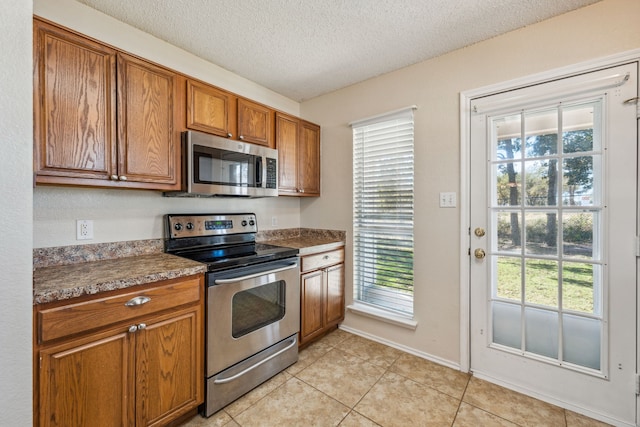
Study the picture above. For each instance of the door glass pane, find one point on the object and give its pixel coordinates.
(578, 233)
(508, 179)
(581, 287)
(581, 343)
(541, 182)
(507, 226)
(578, 130)
(541, 232)
(541, 282)
(577, 181)
(507, 134)
(506, 324)
(257, 307)
(541, 133)
(541, 332)
(508, 274)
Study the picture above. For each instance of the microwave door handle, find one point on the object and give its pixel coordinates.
(258, 171)
(253, 276)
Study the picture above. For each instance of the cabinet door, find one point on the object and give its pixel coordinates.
(74, 103)
(287, 134)
(169, 367)
(335, 294)
(311, 304)
(255, 123)
(87, 382)
(148, 149)
(210, 110)
(309, 159)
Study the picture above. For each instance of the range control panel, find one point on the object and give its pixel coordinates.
(197, 225)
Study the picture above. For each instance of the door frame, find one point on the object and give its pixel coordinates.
(466, 98)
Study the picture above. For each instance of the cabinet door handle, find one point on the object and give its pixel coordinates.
(137, 301)
(114, 177)
(142, 326)
(229, 135)
(133, 328)
(241, 137)
(122, 178)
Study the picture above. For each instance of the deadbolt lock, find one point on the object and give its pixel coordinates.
(479, 232)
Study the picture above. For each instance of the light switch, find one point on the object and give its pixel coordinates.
(447, 200)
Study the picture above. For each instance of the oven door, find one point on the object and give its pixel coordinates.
(250, 309)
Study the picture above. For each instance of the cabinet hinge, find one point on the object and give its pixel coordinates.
(637, 246)
(637, 385)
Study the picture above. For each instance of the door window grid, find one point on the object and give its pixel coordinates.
(552, 327)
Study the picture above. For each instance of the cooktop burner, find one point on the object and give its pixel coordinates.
(220, 240)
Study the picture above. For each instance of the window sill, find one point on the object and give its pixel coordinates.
(383, 315)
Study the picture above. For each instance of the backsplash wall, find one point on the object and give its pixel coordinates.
(120, 215)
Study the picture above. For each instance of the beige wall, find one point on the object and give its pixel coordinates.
(15, 210)
(602, 29)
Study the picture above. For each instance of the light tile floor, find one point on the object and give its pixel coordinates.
(349, 381)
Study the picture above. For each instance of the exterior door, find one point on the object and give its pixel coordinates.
(553, 187)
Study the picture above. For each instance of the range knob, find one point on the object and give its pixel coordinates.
(189, 226)
(177, 226)
(252, 223)
(244, 223)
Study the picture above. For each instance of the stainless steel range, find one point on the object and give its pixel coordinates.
(253, 301)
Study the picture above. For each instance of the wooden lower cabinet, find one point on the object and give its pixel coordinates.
(144, 371)
(321, 294)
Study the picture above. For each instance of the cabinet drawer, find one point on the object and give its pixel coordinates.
(71, 319)
(325, 259)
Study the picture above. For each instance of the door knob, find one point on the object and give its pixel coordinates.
(479, 253)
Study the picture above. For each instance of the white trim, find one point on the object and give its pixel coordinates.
(382, 315)
(465, 116)
(363, 121)
(426, 356)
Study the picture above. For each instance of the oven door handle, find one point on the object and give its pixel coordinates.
(252, 367)
(252, 276)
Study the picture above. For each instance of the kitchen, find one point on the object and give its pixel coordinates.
(596, 31)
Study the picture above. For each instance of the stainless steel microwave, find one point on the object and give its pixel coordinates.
(215, 166)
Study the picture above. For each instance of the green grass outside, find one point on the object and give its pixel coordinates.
(542, 283)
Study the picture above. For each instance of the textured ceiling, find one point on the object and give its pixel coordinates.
(305, 48)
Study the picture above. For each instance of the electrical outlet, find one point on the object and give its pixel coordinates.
(448, 200)
(274, 221)
(84, 229)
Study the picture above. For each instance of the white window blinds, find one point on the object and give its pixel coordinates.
(383, 211)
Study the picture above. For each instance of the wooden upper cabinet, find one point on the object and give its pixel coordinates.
(210, 109)
(148, 144)
(309, 159)
(298, 144)
(287, 133)
(222, 113)
(255, 123)
(101, 117)
(74, 106)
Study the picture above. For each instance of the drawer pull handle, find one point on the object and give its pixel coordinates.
(137, 301)
(325, 257)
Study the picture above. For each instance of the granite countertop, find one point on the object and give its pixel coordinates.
(62, 282)
(66, 272)
(307, 245)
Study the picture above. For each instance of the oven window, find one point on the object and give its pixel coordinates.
(257, 307)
